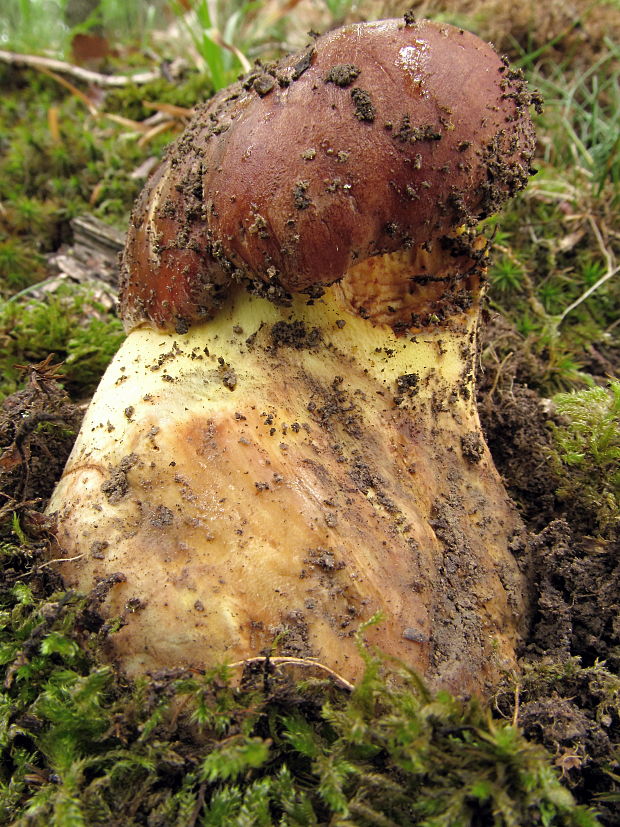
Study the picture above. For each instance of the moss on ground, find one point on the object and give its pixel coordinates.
(587, 454)
(72, 325)
(78, 745)
(58, 160)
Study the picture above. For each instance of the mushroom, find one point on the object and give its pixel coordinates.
(287, 442)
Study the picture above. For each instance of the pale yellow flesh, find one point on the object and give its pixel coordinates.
(296, 503)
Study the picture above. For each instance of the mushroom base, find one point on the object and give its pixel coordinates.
(277, 476)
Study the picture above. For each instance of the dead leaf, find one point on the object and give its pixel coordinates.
(12, 457)
(145, 168)
(568, 761)
(570, 241)
(89, 49)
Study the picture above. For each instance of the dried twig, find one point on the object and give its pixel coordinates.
(611, 270)
(70, 86)
(290, 661)
(217, 38)
(169, 109)
(588, 292)
(88, 76)
(528, 284)
(58, 560)
(515, 717)
(498, 373)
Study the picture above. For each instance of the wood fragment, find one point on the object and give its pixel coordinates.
(169, 109)
(53, 124)
(88, 76)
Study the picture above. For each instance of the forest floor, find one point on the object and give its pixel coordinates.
(79, 743)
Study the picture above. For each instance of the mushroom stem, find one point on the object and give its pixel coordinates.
(285, 473)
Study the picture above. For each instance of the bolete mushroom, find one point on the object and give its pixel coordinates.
(287, 442)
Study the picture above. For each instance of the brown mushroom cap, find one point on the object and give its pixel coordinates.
(379, 137)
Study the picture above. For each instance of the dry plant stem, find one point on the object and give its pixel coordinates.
(589, 292)
(147, 128)
(303, 662)
(88, 76)
(611, 270)
(59, 560)
(534, 302)
(71, 88)
(216, 36)
(498, 374)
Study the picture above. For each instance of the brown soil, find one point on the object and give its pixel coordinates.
(573, 578)
(38, 426)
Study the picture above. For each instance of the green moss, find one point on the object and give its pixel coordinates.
(554, 241)
(57, 180)
(128, 101)
(574, 711)
(70, 324)
(46, 179)
(78, 744)
(588, 454)
(20, 265)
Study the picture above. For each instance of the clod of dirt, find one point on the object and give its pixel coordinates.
(515, 422)
(576, 583)
(38, 426)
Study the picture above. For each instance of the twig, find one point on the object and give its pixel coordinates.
(216, 36)
(607, 254)
(515, 717)
(59, 560)
(528, 284)
(41, 566)
(70, 86)
(156, 130)
(30, 289)
(285, 661)
(498, 373)
(200, 800)
(533, 300)
(588, 293)
(88, 76)
(169, 109)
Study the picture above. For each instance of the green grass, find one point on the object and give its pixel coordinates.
(583, 118)
(555, 270)
(37, 25)
(209, 32)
